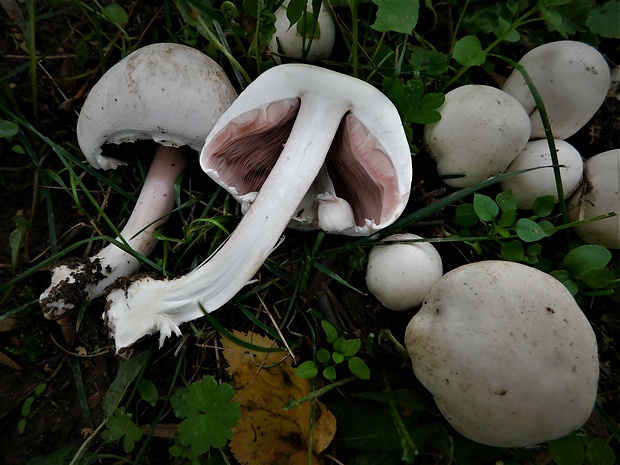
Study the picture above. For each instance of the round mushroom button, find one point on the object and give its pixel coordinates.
(400, 274)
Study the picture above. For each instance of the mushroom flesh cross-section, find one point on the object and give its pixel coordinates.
(302, 143)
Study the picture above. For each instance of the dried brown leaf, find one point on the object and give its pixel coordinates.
(267, 434)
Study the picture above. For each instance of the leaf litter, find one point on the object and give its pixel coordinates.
(265, 382)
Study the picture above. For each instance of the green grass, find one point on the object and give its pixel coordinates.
(56, 206)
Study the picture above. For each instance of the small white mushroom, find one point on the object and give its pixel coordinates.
(169, 93)
(598, 197)
(572, 79)
(290, 42)
(289, 125)
(527, 187)
(481, 130)
(507, 353)
(400, 274)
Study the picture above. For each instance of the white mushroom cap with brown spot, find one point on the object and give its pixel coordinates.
(170, 93)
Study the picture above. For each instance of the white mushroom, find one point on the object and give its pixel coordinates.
(289, 40)
(400, 274)
(170, 93)
(528, 186)
(481, 130)
(572, 79)
(507, 353)
(292, 123)
(598, 197)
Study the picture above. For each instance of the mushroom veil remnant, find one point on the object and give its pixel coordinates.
(172, 94)
(296, 137)
(510, 358)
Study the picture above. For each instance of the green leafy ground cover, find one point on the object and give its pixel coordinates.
(66, 398)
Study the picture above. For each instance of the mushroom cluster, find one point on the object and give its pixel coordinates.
(171, 94)
(301, 146)
(573, 80)
(482, 133)
(507, 353)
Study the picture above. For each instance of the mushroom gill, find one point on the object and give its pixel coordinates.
(250, 145)
(361, 171)
(357, 168)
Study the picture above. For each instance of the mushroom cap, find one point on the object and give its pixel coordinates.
(600, 196)
(481, 130)
(368, 164)
(400, 275)
(507, 353)
(290, 40)
(528, 186)
(572, 79)
(170, 93)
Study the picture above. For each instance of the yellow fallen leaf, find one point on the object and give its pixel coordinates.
(266, 433)
(236, 355)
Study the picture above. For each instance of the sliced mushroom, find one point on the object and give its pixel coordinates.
(289, 131)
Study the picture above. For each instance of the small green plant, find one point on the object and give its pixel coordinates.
(344, 350)
(120, 425)
(584, 271)
(8, 129)
(574, 449)
(27, 407)
(497, 219)
(208, 414)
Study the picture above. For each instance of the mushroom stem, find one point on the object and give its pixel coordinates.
(150, 305)
(73, 283)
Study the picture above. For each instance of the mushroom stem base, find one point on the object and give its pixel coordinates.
(76, 281)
